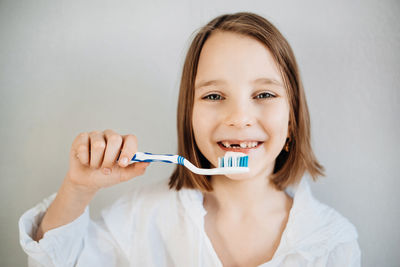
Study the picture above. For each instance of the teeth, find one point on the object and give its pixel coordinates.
(241, 144)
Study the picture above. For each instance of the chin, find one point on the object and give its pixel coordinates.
(242, 176)
(239, 176)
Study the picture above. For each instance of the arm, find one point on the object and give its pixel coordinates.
(60, 246)
(54, 234)
(93, 165)
(68, 205)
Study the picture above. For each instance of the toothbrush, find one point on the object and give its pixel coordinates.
(232, 162)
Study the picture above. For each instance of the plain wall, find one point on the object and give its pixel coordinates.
(73, 66)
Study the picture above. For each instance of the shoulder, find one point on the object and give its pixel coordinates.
(345, 254)
(318, 230)
(336, 234)
(332, 224)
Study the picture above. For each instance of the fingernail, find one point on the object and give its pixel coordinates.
(124, 161)
(106, 171)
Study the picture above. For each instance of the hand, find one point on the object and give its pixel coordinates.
(93, 160)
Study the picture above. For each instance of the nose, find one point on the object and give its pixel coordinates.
(239, 115)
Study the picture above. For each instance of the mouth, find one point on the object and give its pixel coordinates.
(239, 146)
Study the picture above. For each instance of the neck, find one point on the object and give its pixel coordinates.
(241, 198)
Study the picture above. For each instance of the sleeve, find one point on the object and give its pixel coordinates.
(345, 254)
(81, 242)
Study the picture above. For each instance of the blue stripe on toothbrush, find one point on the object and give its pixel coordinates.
(147, 153)
(152, 160)
(180, 160)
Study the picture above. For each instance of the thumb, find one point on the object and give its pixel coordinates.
(133, 170)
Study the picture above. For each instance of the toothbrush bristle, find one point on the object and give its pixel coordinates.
(238, 160)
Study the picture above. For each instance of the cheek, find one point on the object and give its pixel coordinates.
(275, 119)
(200, 124)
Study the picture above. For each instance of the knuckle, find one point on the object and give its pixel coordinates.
(108, 131)
(131, 137)
(115, 139)
(82, 148)
(130, 144)
(94, 133)
(99, 145)
(83, 135)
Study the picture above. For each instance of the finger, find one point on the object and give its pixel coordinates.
(97, 147)
(133, 170)
(129, 148)
(113, 148)
(81, 148)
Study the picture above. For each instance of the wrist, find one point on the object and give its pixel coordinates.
(77, 193)
(75, 188)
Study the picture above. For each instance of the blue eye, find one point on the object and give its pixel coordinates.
(213, 97)
(264, 95)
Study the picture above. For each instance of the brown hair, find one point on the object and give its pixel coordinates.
(289, 166)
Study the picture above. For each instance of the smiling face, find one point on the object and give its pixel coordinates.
(240, 103)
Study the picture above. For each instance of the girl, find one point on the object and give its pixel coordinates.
(240, 91)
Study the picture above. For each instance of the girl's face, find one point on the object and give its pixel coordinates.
(240, 102)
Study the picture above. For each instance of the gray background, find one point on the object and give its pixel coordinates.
(72, 66)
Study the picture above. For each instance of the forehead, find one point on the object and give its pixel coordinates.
(235, 57)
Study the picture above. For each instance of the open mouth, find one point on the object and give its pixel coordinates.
(239, 146)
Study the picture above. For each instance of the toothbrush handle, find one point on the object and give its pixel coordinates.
(149, 157)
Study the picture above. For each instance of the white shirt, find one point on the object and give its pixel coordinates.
(156, 226)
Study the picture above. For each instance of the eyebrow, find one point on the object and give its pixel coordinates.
(208, 83)
(256, 81)
(267, 81)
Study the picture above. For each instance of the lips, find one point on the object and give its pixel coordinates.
(239, 145)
